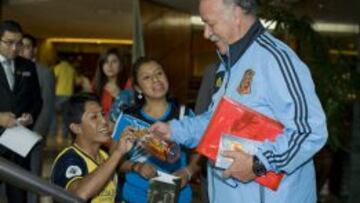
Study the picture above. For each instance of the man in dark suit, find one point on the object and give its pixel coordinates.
(20, 94)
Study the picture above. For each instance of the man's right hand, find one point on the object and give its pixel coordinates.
(161, 129)
(25, 119)
(7, 119)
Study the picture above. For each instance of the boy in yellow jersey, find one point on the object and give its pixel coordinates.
(83, 168)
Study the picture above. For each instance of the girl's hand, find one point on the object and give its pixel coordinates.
(184, 174)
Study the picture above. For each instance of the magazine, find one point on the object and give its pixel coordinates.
(137, 153)
(19, 139)
(126, 120)
(164, 188)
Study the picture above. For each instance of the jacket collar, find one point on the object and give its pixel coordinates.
(17, 74)
(238, 48)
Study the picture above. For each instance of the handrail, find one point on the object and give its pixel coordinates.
(13, 174)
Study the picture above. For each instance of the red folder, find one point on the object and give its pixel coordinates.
(236, 119)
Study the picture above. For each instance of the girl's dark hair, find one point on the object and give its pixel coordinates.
(100, 77)
(134, 76)
(138, 63)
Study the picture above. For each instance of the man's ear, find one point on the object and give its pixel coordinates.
(75, 128)
(239, 14)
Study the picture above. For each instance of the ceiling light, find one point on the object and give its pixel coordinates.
(91, 41)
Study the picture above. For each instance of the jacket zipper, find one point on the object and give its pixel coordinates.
(261, 191)
(227, 68)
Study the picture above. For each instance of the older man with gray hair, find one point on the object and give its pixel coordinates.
(280, 87)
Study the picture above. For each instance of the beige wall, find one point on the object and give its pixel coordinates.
(46, 53)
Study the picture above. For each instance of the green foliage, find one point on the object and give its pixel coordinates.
(337, 82)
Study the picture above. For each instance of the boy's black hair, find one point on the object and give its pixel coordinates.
(75, 108)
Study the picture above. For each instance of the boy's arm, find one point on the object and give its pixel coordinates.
(91, 184)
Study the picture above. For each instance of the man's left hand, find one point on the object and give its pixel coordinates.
(25, 119)
(241, 168)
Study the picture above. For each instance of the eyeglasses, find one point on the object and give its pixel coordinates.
(11, 43)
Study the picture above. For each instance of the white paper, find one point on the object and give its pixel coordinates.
(233, 143)
(165, 177)
(19, 139)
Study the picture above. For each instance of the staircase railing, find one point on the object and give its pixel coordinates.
(14, 175)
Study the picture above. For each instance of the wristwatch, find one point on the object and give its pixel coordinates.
(258, 167)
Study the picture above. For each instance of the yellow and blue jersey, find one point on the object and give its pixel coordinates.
(73, 164)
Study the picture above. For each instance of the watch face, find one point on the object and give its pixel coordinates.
(258, 168)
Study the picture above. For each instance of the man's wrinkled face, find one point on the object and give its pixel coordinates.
(219, 23)
(10, 44)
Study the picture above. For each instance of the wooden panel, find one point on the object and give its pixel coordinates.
(180, 48)
(167, 37)
(203, 52)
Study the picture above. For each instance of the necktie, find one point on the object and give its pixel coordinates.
(9, 73)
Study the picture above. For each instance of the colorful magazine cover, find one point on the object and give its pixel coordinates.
(146, 144)
(233, 118)
(137, 153)
(126, 120)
